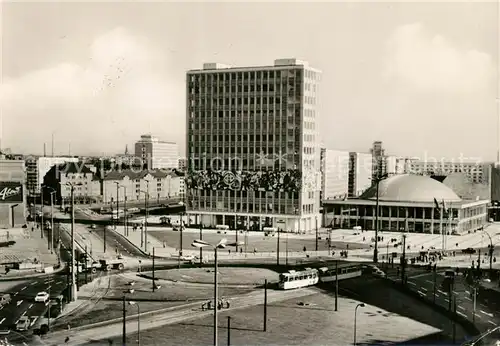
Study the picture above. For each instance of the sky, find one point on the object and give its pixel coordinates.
(421, 77)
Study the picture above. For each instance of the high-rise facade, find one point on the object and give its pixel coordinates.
(252, 146)
(360, 173)
(157, 154)
(335, 171)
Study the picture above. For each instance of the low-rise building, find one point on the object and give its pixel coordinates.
(158, 184)
(87, 188)
(37, 167)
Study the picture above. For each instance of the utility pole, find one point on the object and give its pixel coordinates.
(228, 330)
(403, 260)
(117, 203)
(316, 234)
(124, 336)
(201, 249)
(41, 218)
(146, 219)
(454, 319)
(375, 250)
(265, 305)
(73, 270)
(125, 210)
(278, 249)
(52, 222)
(474, 292)
(86, 265)
(434, 287)
(286, 245)
(154, 285)
(180, 234)
(336, 285)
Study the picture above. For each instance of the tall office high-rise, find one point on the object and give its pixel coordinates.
(157, 154)
(252, 146)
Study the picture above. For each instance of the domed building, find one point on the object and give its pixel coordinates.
(408, 202)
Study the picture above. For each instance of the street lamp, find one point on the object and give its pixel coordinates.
(117, 202)
(50, 241)
(144, 236)
(73, 294)
(490, 249)
(138, 322)
(378, 179)
(125, 230)
(198, 243)
(360, 305)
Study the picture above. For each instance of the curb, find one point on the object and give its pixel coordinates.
(145, 276)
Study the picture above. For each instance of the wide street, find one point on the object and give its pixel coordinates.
(487, 310)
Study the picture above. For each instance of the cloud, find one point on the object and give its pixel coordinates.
(432, 63)
(120, 91)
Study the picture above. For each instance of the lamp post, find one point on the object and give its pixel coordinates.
(360, 305)
(52, 221)
(125, 228)
(138, 322)
(117, 202)
(378, 179)
(490, 251)
(144, 239)
(41, 218)
(198, 243)
(73, 294)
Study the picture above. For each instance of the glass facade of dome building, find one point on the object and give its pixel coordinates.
(409, 203)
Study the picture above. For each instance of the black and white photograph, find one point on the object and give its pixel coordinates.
(249, 173)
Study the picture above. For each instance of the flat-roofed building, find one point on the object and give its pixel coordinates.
(252, 146)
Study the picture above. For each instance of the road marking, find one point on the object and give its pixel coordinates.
(19, 302)
(493, 323)
(33, 283)
(25, 287)
(460, 313)
(467, 292)
(31, 305)
(16, 293)
(3, 319)
(422, 293)
(423, 289)
(468, 298)
(486, 313)
(429, 281)
(441, 292)
(412, 283)
(446, 300)
(461, 307)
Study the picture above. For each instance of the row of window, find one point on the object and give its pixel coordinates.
(254, 207)
(251, 75)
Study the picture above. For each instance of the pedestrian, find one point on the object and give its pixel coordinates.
(66, 340)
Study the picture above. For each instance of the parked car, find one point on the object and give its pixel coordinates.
(42, 297)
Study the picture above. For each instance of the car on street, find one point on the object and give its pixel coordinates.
(5, 299)
(188, 258)
(196, 261)
(42, 297)
(23, 323)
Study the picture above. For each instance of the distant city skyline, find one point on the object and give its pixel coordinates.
(421, 77)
